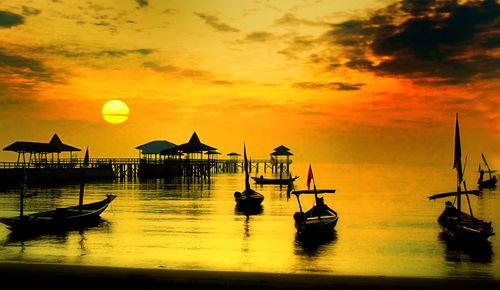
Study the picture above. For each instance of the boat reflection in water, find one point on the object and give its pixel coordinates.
(460, 251)
(314, 245)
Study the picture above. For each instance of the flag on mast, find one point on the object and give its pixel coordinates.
(309, 177)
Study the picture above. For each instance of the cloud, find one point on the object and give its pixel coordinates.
(9, 19)
(259, 36)
(290, 20)
(339, 86)
(215, 23)
(103, 53)
(188, 73)
(27, 68)
(439, 41)
(30, 11)
(142, 3)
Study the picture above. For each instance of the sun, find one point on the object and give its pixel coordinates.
(115, 112)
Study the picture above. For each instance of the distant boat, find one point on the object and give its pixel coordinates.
(282, 181)
(61, 218)
(249, 197)
(453, 222)
(320, 218)
(488, 183)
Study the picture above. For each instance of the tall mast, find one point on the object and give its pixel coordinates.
(82, 183)
(247, 182)
(457, 164)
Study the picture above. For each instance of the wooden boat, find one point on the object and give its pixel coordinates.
(453, 222)
(282, 181)
(488, 183)
(320, 218)
(249, 197)
(60, 218)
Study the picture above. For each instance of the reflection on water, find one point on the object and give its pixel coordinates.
(388, 225)
(460, 251)
(314, 245)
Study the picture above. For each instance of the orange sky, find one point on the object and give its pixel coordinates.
(335, 81)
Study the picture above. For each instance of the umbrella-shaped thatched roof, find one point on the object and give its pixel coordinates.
(233, 154)
(193, 146)
(54, 146)
(281, 147)
(155, 147)
(281, 151)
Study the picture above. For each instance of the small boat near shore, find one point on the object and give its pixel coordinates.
(61, 218)
(248, 198)
(320, 219)
(281, 181)
(491, 182)
(453, 222)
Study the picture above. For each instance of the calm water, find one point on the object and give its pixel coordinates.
(387, 226)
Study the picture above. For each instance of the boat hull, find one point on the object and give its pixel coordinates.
(260, 180)
(248, 199)
(490, 183)
(59, 219)
(465, 228)
(310, 222)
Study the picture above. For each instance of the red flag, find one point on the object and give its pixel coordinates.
(309, 177)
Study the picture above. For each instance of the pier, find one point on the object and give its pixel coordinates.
(41, 162)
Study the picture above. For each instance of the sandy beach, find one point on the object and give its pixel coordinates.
(53, 276)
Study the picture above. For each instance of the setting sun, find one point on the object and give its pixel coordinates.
(115, 112)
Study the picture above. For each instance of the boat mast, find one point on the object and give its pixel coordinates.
(82, 183)
(247, 182)
(458, 166)
(486, 163)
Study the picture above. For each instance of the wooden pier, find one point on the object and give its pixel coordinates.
(136, 167)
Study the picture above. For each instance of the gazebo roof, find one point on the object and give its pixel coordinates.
(233, 154)
(281, 147)
(54, 146)
(212, 152)
(194, 145)
(155, 147)
(281, 152)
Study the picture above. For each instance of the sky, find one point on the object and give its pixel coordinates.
(358, 81)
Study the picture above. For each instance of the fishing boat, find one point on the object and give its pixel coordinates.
(488, 183)
(249, 197)
(453, 222)
(281, 181)
(60, 218)
(320, 218)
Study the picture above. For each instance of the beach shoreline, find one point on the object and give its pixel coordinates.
(58, 276)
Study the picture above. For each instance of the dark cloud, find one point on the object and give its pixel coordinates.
(447, 41)
(215, 23)
(9, 19)
(27, 68)
(30, 11)
(338, 86)
(259, 36)
(142, 3)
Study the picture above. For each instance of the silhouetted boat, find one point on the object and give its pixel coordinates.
(320, 218)
(453, 221)
(282, 181)
(249, 197)
(488, 183)
(60, 218)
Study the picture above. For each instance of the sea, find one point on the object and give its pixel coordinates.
(387, 225)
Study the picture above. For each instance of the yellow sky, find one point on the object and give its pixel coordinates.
(332, 80)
